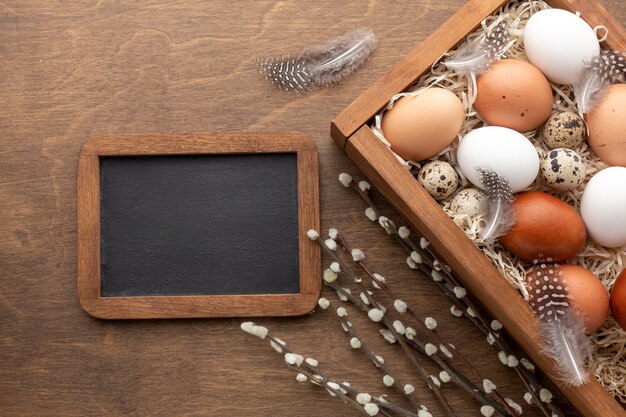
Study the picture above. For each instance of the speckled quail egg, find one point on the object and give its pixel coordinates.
(562, 169)
(438, 178)
(564, 130)
(470, 201)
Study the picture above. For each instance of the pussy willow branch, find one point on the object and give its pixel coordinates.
(447, 285)
(420, 320)
(456, 376)
(317, 376)
(347, 326)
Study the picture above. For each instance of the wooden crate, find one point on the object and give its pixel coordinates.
(351, 131)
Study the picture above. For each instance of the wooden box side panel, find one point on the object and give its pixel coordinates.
(473, 268)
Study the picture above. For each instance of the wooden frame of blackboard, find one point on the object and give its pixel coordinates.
(236, 305)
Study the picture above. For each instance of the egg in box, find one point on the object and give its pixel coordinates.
(419, 126)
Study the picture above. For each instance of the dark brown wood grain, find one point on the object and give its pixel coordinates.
(70, 71)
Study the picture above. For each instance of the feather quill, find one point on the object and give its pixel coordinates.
(475, 55)
(606, 68)
(562, 326)
(500, 216)
(321, 66)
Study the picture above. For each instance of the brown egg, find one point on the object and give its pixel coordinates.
(584, 290)
(545, 229)
(513, 94)
(419, 127)
(618, 300)
(607, 124)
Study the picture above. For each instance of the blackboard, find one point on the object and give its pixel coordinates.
(193, 225)
(200, 225)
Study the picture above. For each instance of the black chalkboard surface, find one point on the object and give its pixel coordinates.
(201, 224)
(198, 225)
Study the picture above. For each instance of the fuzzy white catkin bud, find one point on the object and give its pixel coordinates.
(371, 409)
(345, 179)
(488, 386)
(416, 257)
(301, 377)
(471, 312)
(496, 325)
(435, 380)
(490, 339)
(388, 335)
(363, 398)
(399, 327)
(455, 311)
(528, 397)
(545, 395)
(277, 344)
(446, 351)
(387, 224)
(487, 410)
(364, 298)
(459, 292)
(330, 244)
(430, 349)
(247, 326)
(515, 406)
(411, 263)
(388, 380)
(404, 232)
(436, 276)
(375, 314)
(291, 358)
(430, 323)
(379, 277)
(357, 255)
(312, 234)
(341, 312)
(355, 343)
(528, 364)
(341, 295)
(424, 413)
(333, 386)
(332, 233)
(364, 185)
(512, 361)
(424, 243)
(370, 213)
(410, 333)
(504, 358)
(323, 303)
(335, 267)
(408, 389)
(400, 306)
(311, 361)
(444, 376)
(330, 276)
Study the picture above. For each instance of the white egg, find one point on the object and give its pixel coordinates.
(558, 43)
(603, 207)
(502, 150)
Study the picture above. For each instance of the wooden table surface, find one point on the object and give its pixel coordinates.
(73, 70)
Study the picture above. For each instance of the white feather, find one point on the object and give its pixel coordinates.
(568, 345)
(588, 90)
(468, 58)
(321, 66)
(500, 216)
